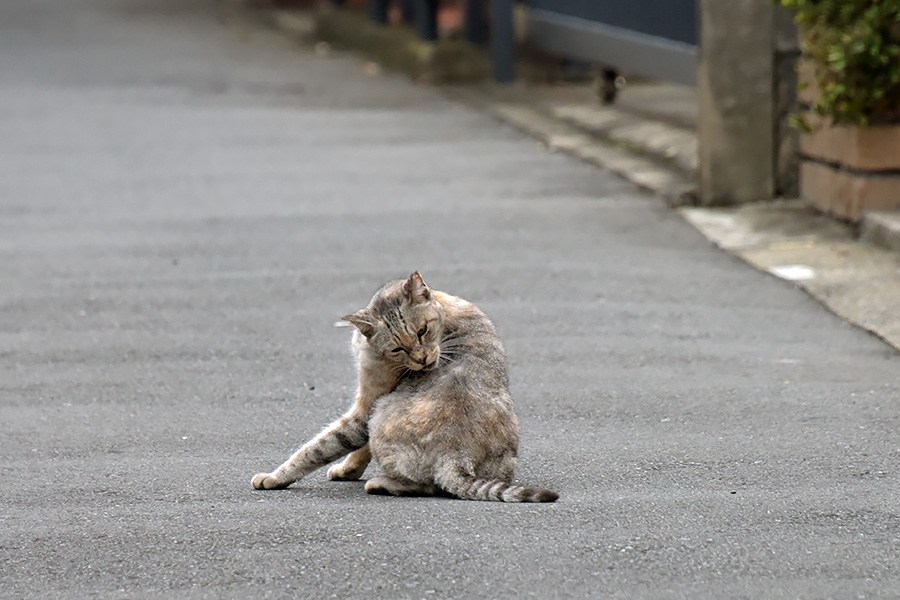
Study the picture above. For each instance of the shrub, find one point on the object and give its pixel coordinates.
(855, 45)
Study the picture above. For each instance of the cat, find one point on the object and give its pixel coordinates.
(433, 406)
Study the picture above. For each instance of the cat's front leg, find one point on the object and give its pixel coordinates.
(353, 466)
(348, 433)
(345, 435)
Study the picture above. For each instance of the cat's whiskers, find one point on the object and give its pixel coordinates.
(451, 345)
(449, 356)
(399, 369)
(449, 361)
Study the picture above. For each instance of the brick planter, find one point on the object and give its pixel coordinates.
(847, 170)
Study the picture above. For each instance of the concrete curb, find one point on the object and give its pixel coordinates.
(857, 281)
(641, 168)
(882, 228)
(675, 147)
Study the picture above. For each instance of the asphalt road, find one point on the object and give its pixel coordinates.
(188, 203)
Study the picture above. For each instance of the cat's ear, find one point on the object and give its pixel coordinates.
(415, 289)
(363, 321)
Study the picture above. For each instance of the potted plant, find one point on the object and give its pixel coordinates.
(850, 81)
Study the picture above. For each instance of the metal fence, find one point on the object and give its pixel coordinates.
(653, 38)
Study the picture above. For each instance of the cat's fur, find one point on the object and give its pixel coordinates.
(433, 406)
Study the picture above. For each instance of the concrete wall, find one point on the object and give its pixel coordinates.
(746, 90)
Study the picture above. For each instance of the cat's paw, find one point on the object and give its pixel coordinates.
(267, 481)
(342, 473)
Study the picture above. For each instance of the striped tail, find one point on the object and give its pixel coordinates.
(468, 487)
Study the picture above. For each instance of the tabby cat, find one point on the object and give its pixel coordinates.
(433, 406)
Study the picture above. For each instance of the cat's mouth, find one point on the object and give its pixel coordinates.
(433, 364)
(429, 365)
(420, 367)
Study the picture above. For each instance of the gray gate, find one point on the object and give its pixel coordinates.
(653, 38)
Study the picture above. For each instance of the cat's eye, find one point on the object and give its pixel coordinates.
(423, 331)
(396, 350)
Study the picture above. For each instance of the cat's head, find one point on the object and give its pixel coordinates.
(403, 324)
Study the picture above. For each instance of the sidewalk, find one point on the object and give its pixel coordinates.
(648, 137)
(189, 201)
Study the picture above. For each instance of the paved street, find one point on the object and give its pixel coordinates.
(188, 203)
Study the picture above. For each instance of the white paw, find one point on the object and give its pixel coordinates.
(339, 473)
(267, 481)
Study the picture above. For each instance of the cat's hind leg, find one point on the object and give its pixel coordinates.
(353, 466)
(386, 486)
